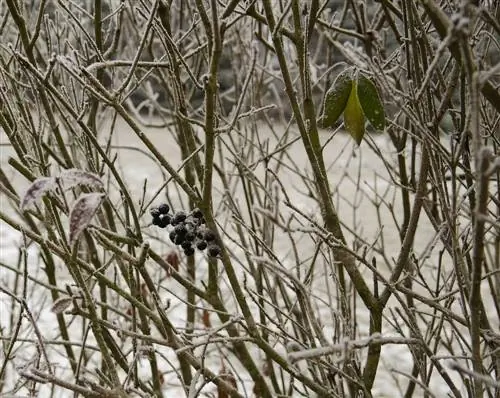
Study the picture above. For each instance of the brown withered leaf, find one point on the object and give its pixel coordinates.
(228, 377)
(205, 318)
(267, 368)
(172, 258)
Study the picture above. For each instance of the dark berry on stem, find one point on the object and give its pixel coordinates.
(213, 250)
(164, 221)
(180, 229)
(189, 251)
(164, 208)
(190, 236)
(179, 239)
(209, 235)
(179, 217)
(155, 212)
(156, 220)
(201, 245)
(173, 236)
(196, 213)
(186, 245)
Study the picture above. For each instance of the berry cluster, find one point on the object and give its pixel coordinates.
(189, 230)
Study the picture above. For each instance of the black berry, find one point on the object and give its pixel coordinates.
(201, 245)
(173, 236)
(164, 220)
(180, 229)
(213, 250)
(196, 213)
(164, 208)
(189, 230)
(155, 212)
(179, 217)
(208, 235)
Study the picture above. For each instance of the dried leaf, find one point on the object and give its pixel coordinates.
(267, 368)
(206, 319)
(229, 378)
(354, 120)
(82, 212)
(73, 177)
(336, 99)
(172, 258)
(144, 291)
(36, 190)
(61, 304)
(161, 378)
(370, 102)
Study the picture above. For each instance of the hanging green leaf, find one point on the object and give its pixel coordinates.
(336, 99)
(370, 102)
(354, 120)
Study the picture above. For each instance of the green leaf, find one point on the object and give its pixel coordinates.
(336, 99)
(370, 102)
(354, 120)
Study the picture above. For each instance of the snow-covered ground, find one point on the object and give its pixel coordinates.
(354, 174)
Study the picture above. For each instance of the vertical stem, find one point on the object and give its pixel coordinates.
(482, 162)
(328, 210)
(94, 102)
(94, 319)
(475, 300)
(25, 39)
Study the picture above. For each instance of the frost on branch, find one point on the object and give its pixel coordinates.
(81, 213)
(36, 190)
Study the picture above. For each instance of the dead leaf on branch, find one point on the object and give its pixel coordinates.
(227, 376)
(69, 179)
(36, 191)
(61, 304)
(73, 177)
(82, 212)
